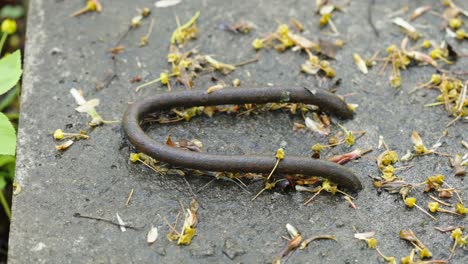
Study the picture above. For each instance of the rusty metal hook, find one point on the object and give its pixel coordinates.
(239, 163)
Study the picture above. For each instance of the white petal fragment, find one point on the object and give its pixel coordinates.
(365, 235)
(121, 223)
(152, 235)
(166, 3)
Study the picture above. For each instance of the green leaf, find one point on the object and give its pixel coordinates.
(13, 12)
(7, 136)
(6, 159)
(3, 183)
(10, 71)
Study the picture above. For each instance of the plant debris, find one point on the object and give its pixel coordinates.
(186, 31)
(152, 235)
(297, 241)
(120, 225)
(89, 107)
(185, 236)
(91, 6)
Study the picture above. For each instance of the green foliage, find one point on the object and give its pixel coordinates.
(7, 136)
(7, 169)
(10, 74)
(10, 71)
(13, 12)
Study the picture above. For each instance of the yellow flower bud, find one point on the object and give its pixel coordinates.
(455, 23)
(457, 234)
(145, 12)
(392, 48)
(314, 60)
(317, 148)
(280, 154)
(410, 202)
(436, 79)
(459, 208)
(426, 44)
(172, 57)
(372, 242)
(406, 260)
(436, 53)
(425, 253)
(438, 178)
(58, 134)
(8, 26)
(433, 206)
(164, 77)
(257, 44)
(325, 19)
(91, 5)
(134, 157)
(283, 29)
(395, 81)
(461, 34)
(185, 63)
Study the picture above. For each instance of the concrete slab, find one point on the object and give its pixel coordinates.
(94, 176)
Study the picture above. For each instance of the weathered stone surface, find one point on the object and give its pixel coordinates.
(94, 176)
(232, 249)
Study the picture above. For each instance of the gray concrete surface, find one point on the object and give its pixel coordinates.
(94, 177)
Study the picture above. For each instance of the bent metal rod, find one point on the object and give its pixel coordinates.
(326, 101)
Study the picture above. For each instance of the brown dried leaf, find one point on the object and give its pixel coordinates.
(409, 235)
(328, 48)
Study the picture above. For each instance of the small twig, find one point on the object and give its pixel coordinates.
(311, 198)
(369, 17)
(455, 191)
(247, 61)
(172, 227)
(194, 196)
(78, 215)
(439, 201)
(206, 185)
(129, 197)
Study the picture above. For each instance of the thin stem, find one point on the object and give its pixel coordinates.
(78, 215)
(2, 41)
(311, 198)
(447, 211)
(273, 170)
(12, 116)
(146, 84)
(129, 197)
(455, 191)
(5, 205)
(260, 192)
(424, 211)
(439, 201)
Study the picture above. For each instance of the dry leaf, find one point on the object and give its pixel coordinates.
(360, 63)
(316, 127)
(411, 237)
(64, 145)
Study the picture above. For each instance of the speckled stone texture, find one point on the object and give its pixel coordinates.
(94, 176)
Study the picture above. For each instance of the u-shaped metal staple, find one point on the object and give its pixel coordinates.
(239, 163)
